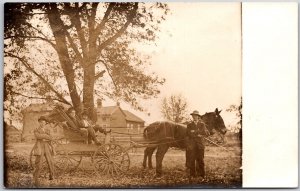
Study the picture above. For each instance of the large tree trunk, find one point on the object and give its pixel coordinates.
(89, 76)
(88, 91)
(57, 28)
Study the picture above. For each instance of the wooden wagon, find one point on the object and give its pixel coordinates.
(107, 158)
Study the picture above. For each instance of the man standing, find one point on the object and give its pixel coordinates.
(42, 148)
(195, 145)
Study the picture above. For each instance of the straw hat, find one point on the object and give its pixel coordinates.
(196, 113)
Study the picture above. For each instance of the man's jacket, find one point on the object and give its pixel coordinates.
(43, 141)
(196, 131)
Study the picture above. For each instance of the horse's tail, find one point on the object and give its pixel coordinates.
(150, 131)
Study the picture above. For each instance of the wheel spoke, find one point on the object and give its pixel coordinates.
(111, 159)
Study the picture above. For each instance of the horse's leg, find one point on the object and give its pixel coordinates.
(150, 153)
(160, 153)
(186, 159)
(145, 157)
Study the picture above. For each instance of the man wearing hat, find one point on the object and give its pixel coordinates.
(74, 118)
(87, 124)
(195, 145)
(42, 148)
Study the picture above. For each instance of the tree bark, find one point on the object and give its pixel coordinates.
(88, 91)
(57, 28)
(89, 74)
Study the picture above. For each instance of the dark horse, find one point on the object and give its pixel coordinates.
(168, 134)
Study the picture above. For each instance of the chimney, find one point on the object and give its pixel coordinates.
(118, 104)
(99, 103)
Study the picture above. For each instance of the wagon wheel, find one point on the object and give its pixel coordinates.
(67, 161)
(111, 159)
(58, 142)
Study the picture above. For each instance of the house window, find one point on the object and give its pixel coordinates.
(128, 125)
(139, 128)
(103, 118)
(131, 126)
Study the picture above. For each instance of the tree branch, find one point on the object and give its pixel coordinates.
(75, 20)
(39, 76)
(38, 30)
(65, 28)
(33, 37)
(108, 71)
(121, 31)
(33, 97)
(100, 74)
(74, 47)
(104, 19)
(91, 20)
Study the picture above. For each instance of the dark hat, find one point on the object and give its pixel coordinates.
(196, 113)
(42, 118)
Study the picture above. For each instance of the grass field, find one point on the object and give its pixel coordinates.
(222, 171)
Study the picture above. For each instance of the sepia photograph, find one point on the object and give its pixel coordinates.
(123, 95)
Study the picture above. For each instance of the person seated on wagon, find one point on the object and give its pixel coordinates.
(74, 120)
(91, 128)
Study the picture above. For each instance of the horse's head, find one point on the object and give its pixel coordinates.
(214, 122)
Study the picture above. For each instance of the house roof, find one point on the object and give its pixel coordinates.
(131, 117)
(111, 109)
(42, 107)
(10, 128)
(107, 110)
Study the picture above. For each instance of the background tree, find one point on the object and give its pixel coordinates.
(76, 52)
(237, 109)
(174, 108)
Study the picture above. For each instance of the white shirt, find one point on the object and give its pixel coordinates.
(86, 123)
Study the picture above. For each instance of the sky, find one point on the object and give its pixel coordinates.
(199, 54)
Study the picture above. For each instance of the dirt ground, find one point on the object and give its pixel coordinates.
(222, 167)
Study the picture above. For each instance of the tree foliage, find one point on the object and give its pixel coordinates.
(174, 108)
(237, 109)
(76, 52)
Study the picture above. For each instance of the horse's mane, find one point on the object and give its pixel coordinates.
(208, 114)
